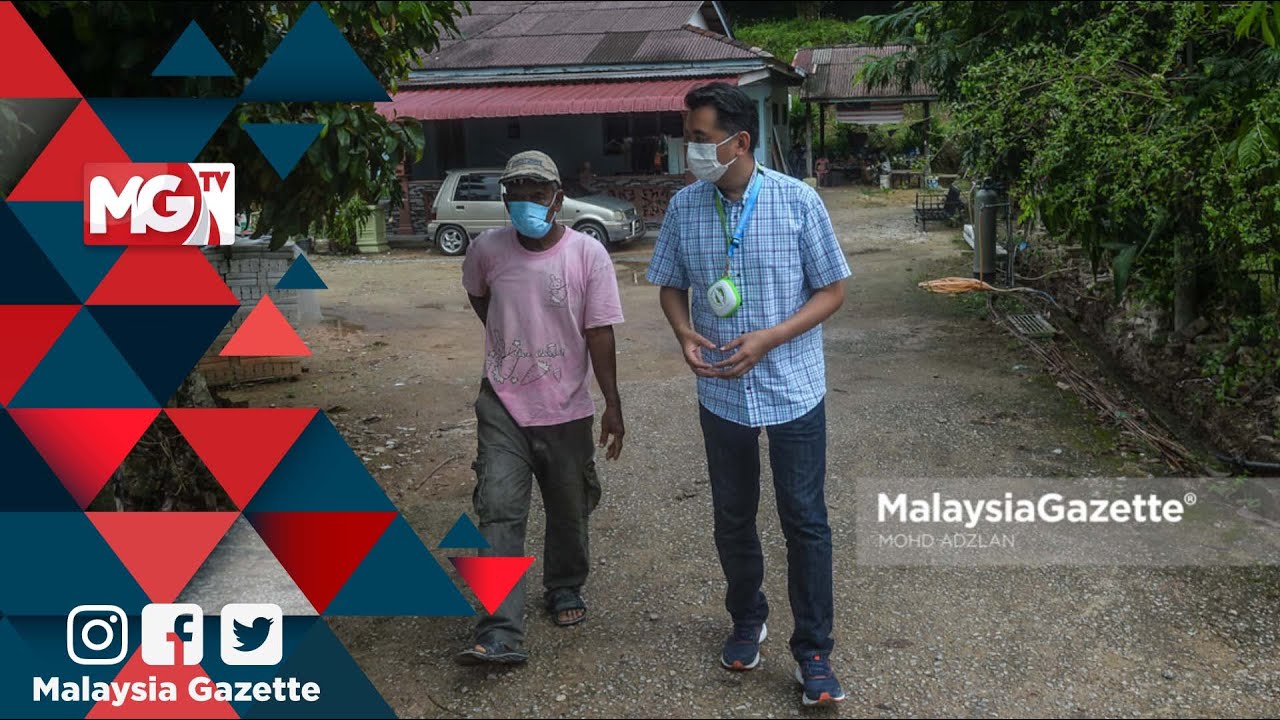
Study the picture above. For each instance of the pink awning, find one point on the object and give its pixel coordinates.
(495, 101)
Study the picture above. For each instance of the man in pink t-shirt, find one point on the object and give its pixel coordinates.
(548, 298)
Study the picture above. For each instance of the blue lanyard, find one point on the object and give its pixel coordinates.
(734, 241)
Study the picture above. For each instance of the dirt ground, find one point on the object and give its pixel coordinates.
(920, 386)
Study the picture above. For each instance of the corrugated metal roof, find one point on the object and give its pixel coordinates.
(532, 34)
(561, 17)
(502, 101)
(505, 7)
(689, 45)
(601, 48)
(832, 70)
(614, 45)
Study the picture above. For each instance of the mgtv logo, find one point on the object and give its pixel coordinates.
(159, 203)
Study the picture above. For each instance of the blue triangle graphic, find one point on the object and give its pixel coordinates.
(40, 650)
(27, 277)
(58, 229)
(15, 685)
(464, 534)
(193, 56)
(295, 628)
(162, 342)
(162, 129)
(321, 658)
(314, 63)
(63, 562)
(320, 473)
(83, 370)
(283, 144)
(29, 484)
(301, 276)
(399, 577)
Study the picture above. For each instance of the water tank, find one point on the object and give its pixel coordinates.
(985, 201)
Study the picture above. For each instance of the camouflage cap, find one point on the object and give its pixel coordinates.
(531, 164)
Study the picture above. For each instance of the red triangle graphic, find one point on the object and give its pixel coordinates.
(320, 550)
(182, 705)
(262, 438)
(30, 71)
(84, 446)
(162, 276)
(58, 174)
(26, 334)
(491, 578)
(162, 550)
(266, 333)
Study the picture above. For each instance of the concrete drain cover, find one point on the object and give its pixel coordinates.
(1033, 326)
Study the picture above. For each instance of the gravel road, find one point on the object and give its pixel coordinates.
(920, 386)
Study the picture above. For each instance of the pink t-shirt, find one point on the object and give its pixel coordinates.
(540, 306)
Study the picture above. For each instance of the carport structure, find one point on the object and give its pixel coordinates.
(829, 82)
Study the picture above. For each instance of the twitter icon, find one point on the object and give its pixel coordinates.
(252, 634)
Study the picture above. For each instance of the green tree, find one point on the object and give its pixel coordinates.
(109, 49)
(1146, 131)
(782, 38)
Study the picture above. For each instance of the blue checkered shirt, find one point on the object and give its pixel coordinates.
(789, 250)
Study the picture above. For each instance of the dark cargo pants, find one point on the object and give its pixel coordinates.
(508, 458)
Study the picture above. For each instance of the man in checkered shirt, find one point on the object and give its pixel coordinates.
(761, 366)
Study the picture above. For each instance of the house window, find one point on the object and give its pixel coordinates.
(478, 188)
(513, 130)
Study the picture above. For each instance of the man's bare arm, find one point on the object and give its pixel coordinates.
(603, 348)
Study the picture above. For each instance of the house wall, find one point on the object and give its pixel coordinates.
(767, 95)
(759, 92)
(571, 140)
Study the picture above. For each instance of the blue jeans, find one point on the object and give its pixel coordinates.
(798, 456)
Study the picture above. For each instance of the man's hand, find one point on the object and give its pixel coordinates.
(747, 350)
(611, 426)
(691, 343)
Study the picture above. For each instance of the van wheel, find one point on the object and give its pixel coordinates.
(452, 240)
(594, 230)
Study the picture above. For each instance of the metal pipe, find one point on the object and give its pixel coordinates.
(1252, 465)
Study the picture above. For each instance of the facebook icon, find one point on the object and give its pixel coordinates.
(172, 634)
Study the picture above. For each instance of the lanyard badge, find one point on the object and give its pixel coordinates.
(724, 298)
(723, 295)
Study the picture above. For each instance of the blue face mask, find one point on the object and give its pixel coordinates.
(530, 218)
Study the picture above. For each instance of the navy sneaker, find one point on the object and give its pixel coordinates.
(819, 681)
(742, 649)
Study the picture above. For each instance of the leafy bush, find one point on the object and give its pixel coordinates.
(782, 38)
(1149, 132)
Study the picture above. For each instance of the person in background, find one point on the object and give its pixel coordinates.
(586, 179)
(822, 167)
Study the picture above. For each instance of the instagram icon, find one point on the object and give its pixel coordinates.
(97, 635)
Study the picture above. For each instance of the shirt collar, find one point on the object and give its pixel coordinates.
(727, 202)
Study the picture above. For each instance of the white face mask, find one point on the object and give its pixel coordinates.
(704, 163)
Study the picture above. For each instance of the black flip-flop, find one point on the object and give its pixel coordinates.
(563, 599)
(496, 653)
